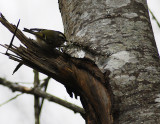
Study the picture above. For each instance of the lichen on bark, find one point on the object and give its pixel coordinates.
(120, 34)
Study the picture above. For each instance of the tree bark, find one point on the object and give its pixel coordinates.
(117, 35)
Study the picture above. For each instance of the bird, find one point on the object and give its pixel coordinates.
(47, 38)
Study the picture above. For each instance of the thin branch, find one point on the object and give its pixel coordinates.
(36, 98)
(154, 18)
(10, 45)
(16, 87)
(46, 82)
(10, 100)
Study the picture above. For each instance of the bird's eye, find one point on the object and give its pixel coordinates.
(44, 36)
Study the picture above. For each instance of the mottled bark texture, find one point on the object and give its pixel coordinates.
(117, 35)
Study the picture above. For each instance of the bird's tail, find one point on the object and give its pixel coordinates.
(28, 30)
(32, 30)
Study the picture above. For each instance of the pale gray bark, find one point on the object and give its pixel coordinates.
(117, 35)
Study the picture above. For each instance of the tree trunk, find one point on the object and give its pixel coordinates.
(117, 35)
